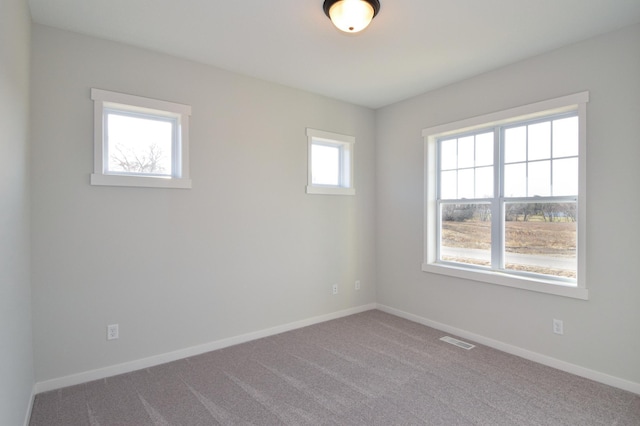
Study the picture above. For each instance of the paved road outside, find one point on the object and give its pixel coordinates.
(517, 258)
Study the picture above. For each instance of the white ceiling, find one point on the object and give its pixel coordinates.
(412, 46)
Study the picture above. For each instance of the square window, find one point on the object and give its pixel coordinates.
(330, 163)
(140, 141)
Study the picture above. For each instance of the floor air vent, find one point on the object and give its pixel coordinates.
(458, 343)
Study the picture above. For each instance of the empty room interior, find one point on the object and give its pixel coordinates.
(317, 207)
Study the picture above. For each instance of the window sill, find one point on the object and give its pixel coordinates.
(330, 190)
(140, 181)
(513, 281)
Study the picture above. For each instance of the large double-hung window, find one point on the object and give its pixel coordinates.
(505, 197)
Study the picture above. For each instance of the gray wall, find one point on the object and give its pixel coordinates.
(600, 334)
(247, 249)
(16, 368)
(244, 250)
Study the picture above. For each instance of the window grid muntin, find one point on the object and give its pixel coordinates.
(499, 201)
(457, 169)
(526, 123)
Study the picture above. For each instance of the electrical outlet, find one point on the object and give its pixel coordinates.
(558, 326)
(357, 285)
(334, 289)
(112, 332)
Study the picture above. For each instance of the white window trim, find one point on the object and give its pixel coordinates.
(346, 186)
(106, 99)
(576, 102)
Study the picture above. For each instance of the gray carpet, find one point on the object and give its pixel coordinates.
(366, 369)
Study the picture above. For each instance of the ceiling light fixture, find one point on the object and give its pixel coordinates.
(351, 16)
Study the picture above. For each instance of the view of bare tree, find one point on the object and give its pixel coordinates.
(128, 160)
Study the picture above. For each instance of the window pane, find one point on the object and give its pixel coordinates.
(565, 177)
(541, 238)
(466, 183)
(448, 185)
(448, 154)
(466, 233)
(515, 180)
(484, 149)
(466, 152)
(139, 145)
(565, 137)
(539, 143)
(539, 179)
(325, 165)
(515, 144)
(484, 182)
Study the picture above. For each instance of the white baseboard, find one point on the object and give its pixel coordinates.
(523, 353)
(27, 417)
(127, 367)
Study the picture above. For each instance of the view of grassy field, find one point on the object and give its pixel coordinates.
(534, 237)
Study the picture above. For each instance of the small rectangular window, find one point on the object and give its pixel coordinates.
(140, 141)
(330, 163)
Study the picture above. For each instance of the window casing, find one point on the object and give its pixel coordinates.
(139, 141)
(330, 163)
(488, 178)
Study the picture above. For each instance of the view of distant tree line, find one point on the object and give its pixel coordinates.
(514, 212)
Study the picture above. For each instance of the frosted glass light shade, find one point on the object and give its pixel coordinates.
(351, 16)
